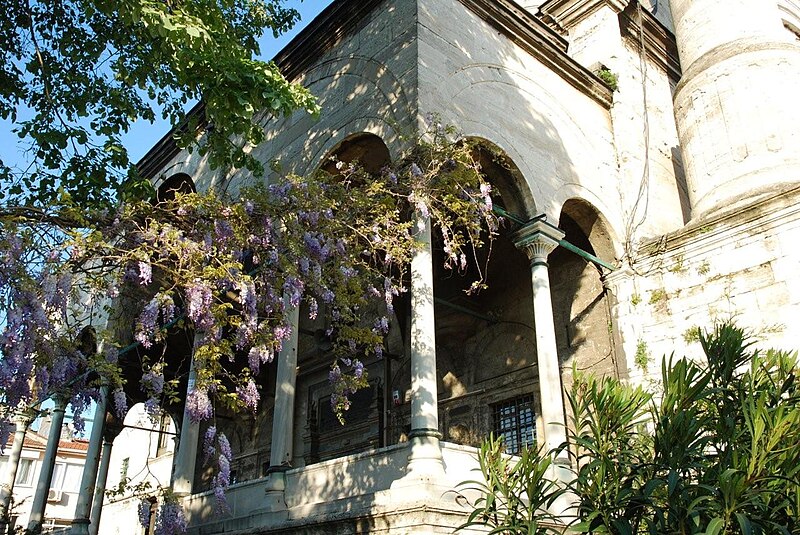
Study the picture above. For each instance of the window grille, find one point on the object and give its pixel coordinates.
(515, 421)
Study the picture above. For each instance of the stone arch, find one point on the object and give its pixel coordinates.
(366, 148)
(485, 341)
(511, 188)
(594, 226)
(581, 302)
(318, 436)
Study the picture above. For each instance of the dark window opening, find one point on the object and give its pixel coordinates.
(515, 421)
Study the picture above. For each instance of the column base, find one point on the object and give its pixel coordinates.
(425, 456)
(566, 506)
(275, 491)
(80, 526)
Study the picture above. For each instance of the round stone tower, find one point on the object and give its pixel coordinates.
(736, 104)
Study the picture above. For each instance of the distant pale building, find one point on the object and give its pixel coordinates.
(139, 466)
(63, 492)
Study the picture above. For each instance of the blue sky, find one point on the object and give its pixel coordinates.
(144, 135)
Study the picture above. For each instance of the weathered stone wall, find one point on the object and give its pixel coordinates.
(364, 75)
(742, 266)
(559, 137)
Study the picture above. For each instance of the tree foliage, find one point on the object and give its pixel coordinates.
(75, 74)
(718, 452)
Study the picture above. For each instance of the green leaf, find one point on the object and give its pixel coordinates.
(715, 526)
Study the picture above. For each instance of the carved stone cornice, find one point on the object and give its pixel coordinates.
(537, 39)
(537, 239)
(564, 14)
(659, 42)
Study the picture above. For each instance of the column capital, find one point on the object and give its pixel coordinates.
(538, 239)
(24, 417)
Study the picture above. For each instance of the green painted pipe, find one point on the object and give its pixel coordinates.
(499, 210)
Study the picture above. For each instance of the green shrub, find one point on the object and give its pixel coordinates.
(718, 453)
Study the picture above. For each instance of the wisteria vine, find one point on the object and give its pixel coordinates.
(228, 271)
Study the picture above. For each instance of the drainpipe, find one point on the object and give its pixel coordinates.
(499, 210)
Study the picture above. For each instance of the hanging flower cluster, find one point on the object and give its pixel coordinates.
(229, 271)
(217, 455)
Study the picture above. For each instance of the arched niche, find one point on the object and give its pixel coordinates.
(368, 150)
(142, 451)
(172, 186)
(510, 189)
(485, 341)
(581, 304)
(318, 436)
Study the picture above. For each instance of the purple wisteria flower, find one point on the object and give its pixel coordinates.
(223, 230)
(282, 332)
(224, 446)
(153, 382)
(257, 356)
(111, 353)
(144, 512)
(294, 288)
(170, 520)
(382, 325)
(120, 403)
(199, 297)
(145, 273)
(147, 323)
(358, 369)
(199, 405)
(223, 478)
(151, 407)
(389, 291)
(209, 441)
(249, 395)
(167, 308)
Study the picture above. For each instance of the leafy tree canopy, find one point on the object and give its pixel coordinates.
(75, 74)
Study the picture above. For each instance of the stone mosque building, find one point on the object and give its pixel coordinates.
(649, 156)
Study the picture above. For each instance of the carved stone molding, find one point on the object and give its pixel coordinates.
(564, 14)
(538, 239)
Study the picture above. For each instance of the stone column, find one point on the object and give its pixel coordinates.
(538, 240)
(21, 419)
(186, 456)
(111, 432)
(737, 125)
(283, 417)
(83, 507)
(48, 464)
(425, 459)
